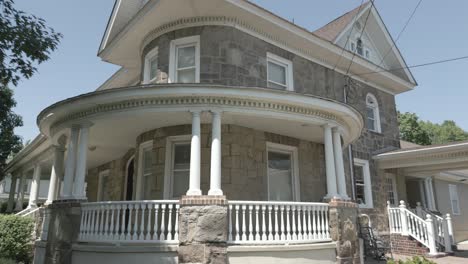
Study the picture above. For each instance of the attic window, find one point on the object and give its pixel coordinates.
(359, 47)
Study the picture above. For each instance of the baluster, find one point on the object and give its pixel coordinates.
(148, 223)
(93, 222)
(257, 225)
(270, 225)
(250, 231)
(82, 224)
(237, 223)
(142, 235)
(309, 223)
(244, 235)
(293, 217)
(304, 223)
(124, 217)
(163, 218)
(176, 226)
(264, 231)
(101, 223)
(135, 224)
(106, 223)
(314, 222)
(288, 227)
(277, 231)
(111, 228)
(169, 223)
(283, 233)
(129, 234)
(117, 224)
(327, 227)
(320, 222)
(230, 222)
(155, 226)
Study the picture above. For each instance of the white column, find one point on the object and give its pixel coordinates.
(215, 170)
(55, 174)
(11, 195)
(422, 193)
(195, 153)
(20, 195)
(329, 163)
(80, 170)
(430, 194)
(404, 219)
(70, 163)
(36, 180)
(431, 235)
(431, 188)
(339, 166)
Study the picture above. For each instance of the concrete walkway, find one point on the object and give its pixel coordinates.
(460, 257)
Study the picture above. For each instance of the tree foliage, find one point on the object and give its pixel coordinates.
(426, 133)
(15, 238)
(9, 142)
(25, 41)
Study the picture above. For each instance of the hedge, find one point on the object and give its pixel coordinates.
(413, 260)
(16, 238)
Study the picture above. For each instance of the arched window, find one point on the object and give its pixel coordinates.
(373, 115)
(359, 47)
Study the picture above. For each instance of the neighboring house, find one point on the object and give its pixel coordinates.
(229, 134)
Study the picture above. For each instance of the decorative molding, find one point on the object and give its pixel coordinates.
(193, 101)
(419, 159)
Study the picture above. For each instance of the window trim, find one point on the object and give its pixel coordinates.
(173, 60)
(453, 191)
(102, 174)
(393, 178)
(127, 164)
(292, 150)
(169, 162)
(288, 71)
(143, 146)
(376, 110)
(146, 70)
(367, 182)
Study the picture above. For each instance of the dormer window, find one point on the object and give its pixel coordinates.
(151, 66)
(373, 115)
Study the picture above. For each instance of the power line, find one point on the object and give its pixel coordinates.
(400, 33)
(349, 35)
(414, 66)
(360, 36)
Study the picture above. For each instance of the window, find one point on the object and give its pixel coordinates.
(184, 64)
(391, 189)
(177, 166)
(103, 190)
(145, 170)
(359, 47)
(151, 67)
(373, 115)
(367, 54)
(279, 73)
(454, 199)
(363, 183)
(282, 173)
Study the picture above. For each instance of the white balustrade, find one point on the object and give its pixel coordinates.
(130, 221)
(277, 222)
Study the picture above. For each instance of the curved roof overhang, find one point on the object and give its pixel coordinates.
(160, 16)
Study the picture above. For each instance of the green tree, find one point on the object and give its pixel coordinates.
(411, 129)
(446, 132)
(25, 42)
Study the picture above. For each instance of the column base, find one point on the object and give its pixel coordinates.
(194, 192)
(31, 206)
(215, 192)
(330, 197)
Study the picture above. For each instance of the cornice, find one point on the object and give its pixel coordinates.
(424, 158)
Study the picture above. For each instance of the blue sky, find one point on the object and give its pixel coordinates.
(437, 31)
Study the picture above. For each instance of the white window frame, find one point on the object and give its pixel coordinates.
(140, 188)
(126, 176)
(376, 110)
(367, 182)
(453, 193)
(187, 41)
(291, 150)
(169, 162)
(392, 177)
(288, 71)
(102, 174)
(146, 70)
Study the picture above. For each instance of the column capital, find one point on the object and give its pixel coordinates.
(216, 111)
(329, 125)
(60, 148)
(195, 112)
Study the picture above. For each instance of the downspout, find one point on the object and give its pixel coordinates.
(350, 147)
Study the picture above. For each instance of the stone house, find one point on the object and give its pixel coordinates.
(228, 135)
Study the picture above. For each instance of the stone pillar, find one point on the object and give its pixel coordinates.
(195, 156)
(11, 195)
(344, 230)
(64, 220)
(70, 163)
(339, 165)
(36, 180)
(55, 174)
(203, 225)
(215, 170)
(329, 163)
(80, 170)
(20, 195)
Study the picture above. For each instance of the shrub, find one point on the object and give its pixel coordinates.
(16, 238)
(413, 260)
(7, 261)
(3, 207)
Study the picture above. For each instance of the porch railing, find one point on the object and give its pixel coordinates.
(277, 222)
(130, 221)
